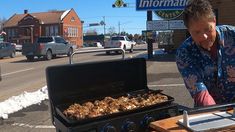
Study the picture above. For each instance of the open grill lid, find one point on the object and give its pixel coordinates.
(85, 81)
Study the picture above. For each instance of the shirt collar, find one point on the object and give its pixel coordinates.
(220, 36)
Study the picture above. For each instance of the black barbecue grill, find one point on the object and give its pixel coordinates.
(79, 83)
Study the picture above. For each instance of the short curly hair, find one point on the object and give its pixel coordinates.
(196, 9)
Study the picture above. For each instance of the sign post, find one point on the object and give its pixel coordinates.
(148, 34)
(166, 9)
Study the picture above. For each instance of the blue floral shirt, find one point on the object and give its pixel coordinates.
(201, 72)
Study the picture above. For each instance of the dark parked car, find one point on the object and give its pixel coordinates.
(7, 49)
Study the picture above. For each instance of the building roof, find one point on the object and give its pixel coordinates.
(44, 17)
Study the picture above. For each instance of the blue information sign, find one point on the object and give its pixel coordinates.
(144, 5)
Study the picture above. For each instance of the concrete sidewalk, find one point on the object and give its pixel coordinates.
(162, 73)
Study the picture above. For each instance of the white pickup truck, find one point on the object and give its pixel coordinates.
(120, 42)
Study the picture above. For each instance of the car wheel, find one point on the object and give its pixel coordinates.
(108, 52)
(13, 54)
(30, 58)
(118, 52)
(124, 47)
(132, 49)
(70, 52)
(54, 56)
(48, 55)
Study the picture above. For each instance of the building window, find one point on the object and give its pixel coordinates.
(56, 30)
(69, 32)
(72, 19)
(27, 32)
(76, 32)
(8, 33)
(72, 32)
(47, 31)
(52, 30)
(13, 33)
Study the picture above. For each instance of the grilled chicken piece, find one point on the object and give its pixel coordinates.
(89, 105)
(72, 109)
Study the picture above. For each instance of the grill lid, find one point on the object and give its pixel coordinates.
(84, 81)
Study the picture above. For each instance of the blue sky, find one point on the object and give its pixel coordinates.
(90, 11)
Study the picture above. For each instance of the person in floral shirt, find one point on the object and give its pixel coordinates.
(206, 60)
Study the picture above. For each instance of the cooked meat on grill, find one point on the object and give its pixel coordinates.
(77, 111)
(71, 110)
(111, 105)
(88, 104)
(96, 111)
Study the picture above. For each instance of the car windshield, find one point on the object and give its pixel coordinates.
(117, 38)
(45, 40)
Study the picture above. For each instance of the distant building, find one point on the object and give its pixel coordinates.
(89, 39)
(224, 11)
(27, 27)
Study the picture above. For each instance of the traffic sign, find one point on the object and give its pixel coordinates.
(119, 3)
(160, 25)
(94, 24)
(176, 24)
(157, 25)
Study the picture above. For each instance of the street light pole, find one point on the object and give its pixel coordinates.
(119, 25)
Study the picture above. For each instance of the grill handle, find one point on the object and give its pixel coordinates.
(222, 107)
(97, 50)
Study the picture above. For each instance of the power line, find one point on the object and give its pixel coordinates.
(109, 16)
(126, 16)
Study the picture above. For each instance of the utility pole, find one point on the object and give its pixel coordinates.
(104, 24)
(119, 28)
(149, 38)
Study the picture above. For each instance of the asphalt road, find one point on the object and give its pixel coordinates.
(19, 75)
(161, 74)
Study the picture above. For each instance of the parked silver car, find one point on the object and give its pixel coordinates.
(47, 47)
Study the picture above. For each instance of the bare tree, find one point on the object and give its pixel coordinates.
(91, 32)
(136, 37)
(2, 20)
(111, 31)
(53, 10)
(130, 36)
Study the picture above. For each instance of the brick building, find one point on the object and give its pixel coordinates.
(27, 27)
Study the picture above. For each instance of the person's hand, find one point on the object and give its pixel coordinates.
(203, 98)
